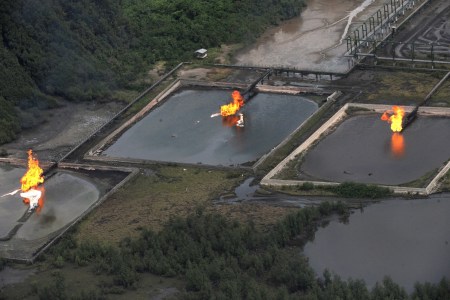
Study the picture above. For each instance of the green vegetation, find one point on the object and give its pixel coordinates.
(402, 88)
(216, 259)
(172, 30)
(442, 96)
(343, 190)
(88, 51)
(9, 124)
(424, 180)
(444, 184)
(359, 190)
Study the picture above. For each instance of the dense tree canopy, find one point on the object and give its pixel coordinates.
(84, 50)
(222, 259)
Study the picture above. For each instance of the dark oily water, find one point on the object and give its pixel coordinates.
(182, 130)
(12, 207)
(363, 149)
(408, 240)
(67, 196)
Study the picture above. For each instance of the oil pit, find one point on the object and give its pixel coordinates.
(68, 194)
(182, 129)
(363, 149)
(404, 239)
(11, 207)
(355, 145)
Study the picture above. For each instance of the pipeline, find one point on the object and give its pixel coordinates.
(249, 92)
(413, 114)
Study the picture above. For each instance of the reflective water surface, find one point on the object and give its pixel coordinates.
(405, 239)
(363, 149)
(11, 207)
(67, 196)
(182, 130)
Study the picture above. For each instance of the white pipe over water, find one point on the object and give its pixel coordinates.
(353, 14)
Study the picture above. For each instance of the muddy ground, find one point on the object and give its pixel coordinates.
(61, 129)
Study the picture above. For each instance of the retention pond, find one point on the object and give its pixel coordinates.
(407, 240)
(363, 149)
(67, 195)
(182, 130)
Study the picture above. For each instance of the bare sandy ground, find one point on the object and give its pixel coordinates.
(62, 128)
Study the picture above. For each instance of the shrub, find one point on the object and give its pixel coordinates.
(359, 190)
(307, 186)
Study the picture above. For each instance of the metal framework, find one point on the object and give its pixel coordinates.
(379, 25)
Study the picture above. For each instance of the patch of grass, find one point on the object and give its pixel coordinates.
(85, 283)
(263, 216)
(422, 181)
(289, 172)
(343, 190)
(405, 88)
(299, 190)
(442, 96)
(445, 183)
(125, 95)
(149, 97)
(359, 190)
(150, 201)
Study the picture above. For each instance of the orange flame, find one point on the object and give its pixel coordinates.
(32, 178)
(396, 118)
(233, 107)
(397, 144)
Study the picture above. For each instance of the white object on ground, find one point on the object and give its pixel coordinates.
(34, 196)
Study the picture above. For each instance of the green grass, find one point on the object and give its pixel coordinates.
(151, 200)
(442, 96)
(405, 88)
(445, 183)
(423, 181)
(84, 283)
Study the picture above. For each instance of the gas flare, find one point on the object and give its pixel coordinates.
(395, 117)
(31, 193)
(233, 107)
(33, 177)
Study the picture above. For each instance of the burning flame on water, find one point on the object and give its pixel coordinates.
(397, 144)
(233, 107)
(33, 177)
(32, 194)
(395, 118)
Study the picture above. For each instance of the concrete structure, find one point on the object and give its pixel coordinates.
(71, 192)
(96, 153)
